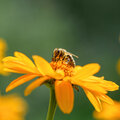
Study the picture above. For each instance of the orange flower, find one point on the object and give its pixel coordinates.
(63, 76)
(3, 48)
(12, 107)
(109, 112)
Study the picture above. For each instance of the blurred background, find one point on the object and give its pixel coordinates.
(87, 28)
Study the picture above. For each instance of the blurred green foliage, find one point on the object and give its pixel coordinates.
(87, 28)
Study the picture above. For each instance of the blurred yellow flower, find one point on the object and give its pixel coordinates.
(3, 48)
(109, 112)
(118, 66)
(12, 107)
(63, 77)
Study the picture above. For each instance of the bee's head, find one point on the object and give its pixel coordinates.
(58, 52)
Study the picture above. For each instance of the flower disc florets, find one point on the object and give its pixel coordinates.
(60, 65)
(63, 60)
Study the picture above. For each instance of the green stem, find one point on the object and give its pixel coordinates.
(52, 105)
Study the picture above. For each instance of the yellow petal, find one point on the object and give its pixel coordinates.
(12, 71)
(109, 85)
(76, 69)
(10, 58)
(106, 99)
(90, 86)
(19, 81)
(58, 74)
(94, 100)
(87, 70)
(21, 61)
(43, 66)
(64, 96)
(34, 85)
(24, 58)
(95, 88)
(15, 66)
(99, 81)
(93, 79)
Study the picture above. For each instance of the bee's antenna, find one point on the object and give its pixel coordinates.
(72, 55)
(75, 55)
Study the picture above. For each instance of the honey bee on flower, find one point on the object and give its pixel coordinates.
(61, 74)
(60, 54)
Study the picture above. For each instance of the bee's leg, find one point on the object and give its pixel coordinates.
(76, 87)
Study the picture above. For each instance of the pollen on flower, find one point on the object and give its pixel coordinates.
(68, 70)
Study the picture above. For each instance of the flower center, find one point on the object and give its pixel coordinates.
(68, 70)
(63, 60)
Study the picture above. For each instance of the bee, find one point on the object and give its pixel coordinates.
(60, 54)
